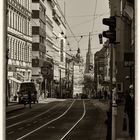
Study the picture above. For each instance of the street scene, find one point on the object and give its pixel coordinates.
(69, 69)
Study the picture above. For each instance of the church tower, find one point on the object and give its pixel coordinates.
(89, 59)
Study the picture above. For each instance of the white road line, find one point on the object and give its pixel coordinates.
(46, 123)
(76, 122)
(11, 132)
(15, 116)
(30, 118)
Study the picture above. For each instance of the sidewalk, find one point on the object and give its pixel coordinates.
(120, 134)
(14, 106)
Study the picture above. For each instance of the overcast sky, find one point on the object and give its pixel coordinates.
(79, 15)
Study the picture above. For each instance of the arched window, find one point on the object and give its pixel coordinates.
(19, 50)
(22, 50)
(10, 47)
(15, 50)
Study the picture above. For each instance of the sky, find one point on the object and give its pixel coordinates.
(80, 17)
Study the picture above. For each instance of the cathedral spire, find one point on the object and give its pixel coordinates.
(89, 58)
(89, 45)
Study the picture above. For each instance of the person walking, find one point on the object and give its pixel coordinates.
(29, 99)
(130, 110)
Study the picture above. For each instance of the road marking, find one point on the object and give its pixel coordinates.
(15, 116)
(11, 132)
(76, 122)
(46, 123)
(31, 118)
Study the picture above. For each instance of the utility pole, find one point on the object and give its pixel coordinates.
(111, 35)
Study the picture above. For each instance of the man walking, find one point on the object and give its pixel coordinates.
(29, 99)
(130, 110)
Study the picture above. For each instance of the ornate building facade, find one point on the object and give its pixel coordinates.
(19, 44)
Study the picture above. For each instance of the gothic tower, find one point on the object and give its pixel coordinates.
(89, 59)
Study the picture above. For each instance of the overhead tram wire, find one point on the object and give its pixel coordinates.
(66, 21)
(94, 16)
(54, 37)
(97, 15)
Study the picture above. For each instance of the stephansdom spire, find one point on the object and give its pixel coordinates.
(89, 45)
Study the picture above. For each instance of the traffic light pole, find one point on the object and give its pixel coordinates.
(113, 105)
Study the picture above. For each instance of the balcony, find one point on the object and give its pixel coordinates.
(36, 14)
(38, 47)
(36, 30)
(35, 1)
(56, 17)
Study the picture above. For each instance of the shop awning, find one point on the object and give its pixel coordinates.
(14, 79)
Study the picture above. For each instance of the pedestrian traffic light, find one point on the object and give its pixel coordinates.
(111, 33)
(100, 38)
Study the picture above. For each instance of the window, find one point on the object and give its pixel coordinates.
(12, 48)
(10, 43)
(35, 30)
(35, 1)
(23, 23)
(15, 50)
(20, 24)
(61, 50)
(19, 51)
(22, 51)
(13, 20)
(16, 21)
(35, 14)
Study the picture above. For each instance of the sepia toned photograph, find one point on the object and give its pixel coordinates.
(69, 70)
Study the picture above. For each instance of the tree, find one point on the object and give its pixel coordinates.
(88, 83)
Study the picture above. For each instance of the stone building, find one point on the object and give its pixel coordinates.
(19, 44)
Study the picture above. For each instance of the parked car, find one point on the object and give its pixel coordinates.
(84, 96)
(27, 88)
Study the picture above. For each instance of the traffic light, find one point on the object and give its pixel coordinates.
(100, 38)
(111, 33)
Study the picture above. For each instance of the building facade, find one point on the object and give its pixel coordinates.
(19, 45)
(48, 30)
(102, 68)
(123, 51)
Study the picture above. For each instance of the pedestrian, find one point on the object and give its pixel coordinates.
(130, 110)
(105, 94)
(29, 99)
